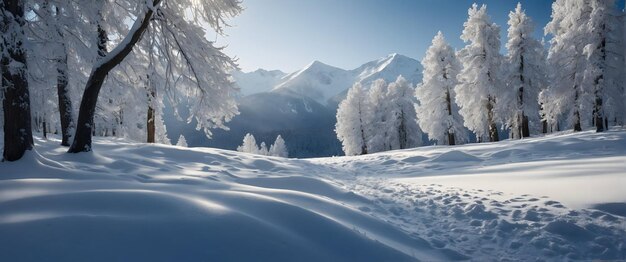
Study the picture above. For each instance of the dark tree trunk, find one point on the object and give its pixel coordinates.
(82, 139)
(150, 121)
(45, 127)
(451, 139)
(18, 136)
(65, 103)
(493, 129)
(525, 126)
(598, 118)
(577, 126)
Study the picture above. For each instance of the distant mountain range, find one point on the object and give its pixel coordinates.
(300, 106)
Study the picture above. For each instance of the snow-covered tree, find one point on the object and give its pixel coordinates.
(15, 94)
(605, 59)
(195, 67)
(480, 81)
(377, 117)
(263, 149)
(182, 142)
(402, 129)
(279, 148)
(351, 121)
(437, 111)
(249, 145)
(525, 76)
(567, 61)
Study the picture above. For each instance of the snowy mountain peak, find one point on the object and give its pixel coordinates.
(321, 82)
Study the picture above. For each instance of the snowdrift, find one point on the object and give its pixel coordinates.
(554, 197)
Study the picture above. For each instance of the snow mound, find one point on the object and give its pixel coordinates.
(455, 156)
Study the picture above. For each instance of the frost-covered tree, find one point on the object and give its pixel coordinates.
(194, 66)
(49, 24)
(249, 145)
(605, 59)
(263, 149)
(279, 148)
(15, 94)
(377, 117)
(567, 61)
(182, 142)
(352, 121)
(402, 129)
(437, 112)
(525, 75)
(480, 80)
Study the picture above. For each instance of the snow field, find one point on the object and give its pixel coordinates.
(549, 198)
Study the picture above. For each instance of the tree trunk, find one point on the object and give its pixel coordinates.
(598, 118)
(525, 126)
(493, 129)
(151, 127)
(65, 103)
(45, 127)
(82, 139)
(18, 136)
(577, 125)
(451, 139)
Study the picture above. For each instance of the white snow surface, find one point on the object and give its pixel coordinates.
(555, 197)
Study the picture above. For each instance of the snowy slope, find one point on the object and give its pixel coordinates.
(317, 80)
(389, 68)
(257, 81)
(553, 198)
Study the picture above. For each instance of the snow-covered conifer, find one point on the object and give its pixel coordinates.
(437, 111)
(403, 131)
(351, 121)
(525, 76)
(480, 81)
(279, 148)
(263, 149)
(249, 145)
(605, 60)
(181, 141)
(567, 62)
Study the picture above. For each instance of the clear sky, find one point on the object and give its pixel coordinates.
(289, 34)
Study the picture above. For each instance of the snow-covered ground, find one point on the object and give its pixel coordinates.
(549, 198)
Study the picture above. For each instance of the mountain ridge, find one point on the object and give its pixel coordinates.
(323, 82)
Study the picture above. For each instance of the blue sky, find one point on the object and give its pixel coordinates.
(289, 34)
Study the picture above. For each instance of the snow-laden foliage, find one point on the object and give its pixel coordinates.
(249, 145)
(525, 76)
(402, 129)
(279, 148)
(377, 117)
(605, 58)
(437, 111)
(480, 81)
(352, 121)
(182, 141)
(567, 62)
(381, 119)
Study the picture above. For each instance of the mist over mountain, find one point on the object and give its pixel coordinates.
(300, 106)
